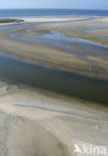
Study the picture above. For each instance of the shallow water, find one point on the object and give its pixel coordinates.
(94, 27)
(59, 40)
(18, 71)
(89, 27)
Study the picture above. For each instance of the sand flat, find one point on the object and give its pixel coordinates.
(41, 53)
(39, 124)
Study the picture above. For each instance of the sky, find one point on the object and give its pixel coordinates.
(71, 4)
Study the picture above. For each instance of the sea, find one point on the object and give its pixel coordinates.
(50, 12)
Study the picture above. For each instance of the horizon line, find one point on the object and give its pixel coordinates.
(55, 8)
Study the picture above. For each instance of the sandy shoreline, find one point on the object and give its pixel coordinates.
(25, 109)
(57, 19)
(44, 19)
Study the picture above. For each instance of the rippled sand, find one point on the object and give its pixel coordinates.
(36, 122)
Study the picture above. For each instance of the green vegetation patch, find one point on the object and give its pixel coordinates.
(10, 20)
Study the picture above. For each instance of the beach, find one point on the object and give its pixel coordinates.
(37, 123)
(48, 101)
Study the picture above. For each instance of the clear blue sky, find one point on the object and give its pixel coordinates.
(86, 4)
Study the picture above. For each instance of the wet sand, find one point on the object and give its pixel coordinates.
(49, 55)
(41, 53)
(36, 122)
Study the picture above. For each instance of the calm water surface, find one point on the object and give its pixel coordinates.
(21, 72)
(51, 12)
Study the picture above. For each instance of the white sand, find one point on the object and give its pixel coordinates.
(50, 19)
(102, 19)
(46, 19)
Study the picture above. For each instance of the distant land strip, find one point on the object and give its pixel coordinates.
(6, 20)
